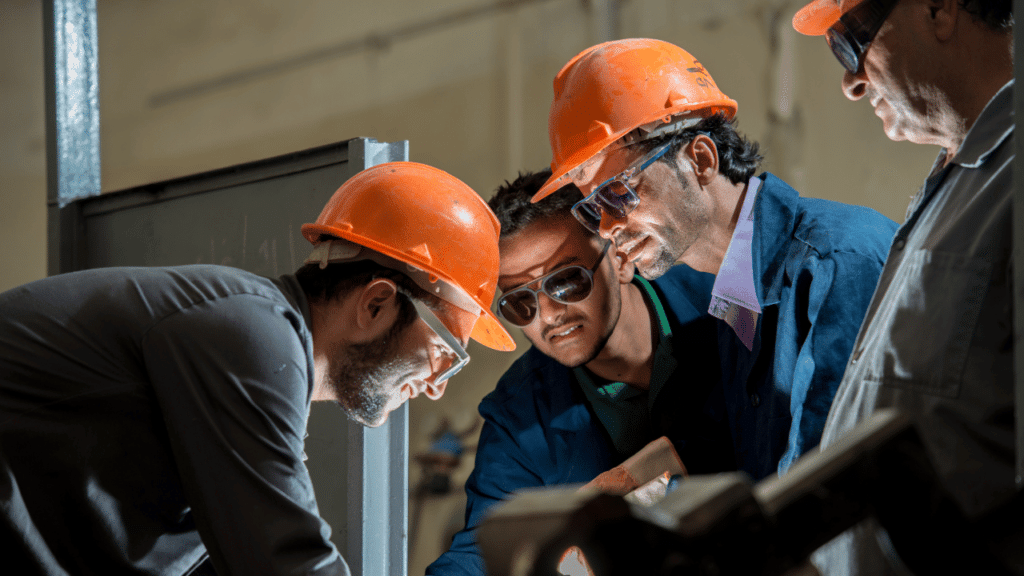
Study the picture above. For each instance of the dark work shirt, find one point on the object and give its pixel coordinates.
(633, 417)
(151, 418)
(938, 338)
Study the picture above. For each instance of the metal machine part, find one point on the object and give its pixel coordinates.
(724, 524)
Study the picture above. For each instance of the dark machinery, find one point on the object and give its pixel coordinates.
(724, 524)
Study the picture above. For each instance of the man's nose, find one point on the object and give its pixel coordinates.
(549, 309)
(855, 86)
(611, 226)
(434, 390)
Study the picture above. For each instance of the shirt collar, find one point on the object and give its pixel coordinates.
(993, 126)
(664, 362)
(734, 282)
(659, 309)
(289, 286)
(775, 215)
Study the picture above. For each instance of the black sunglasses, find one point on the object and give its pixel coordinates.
(851, 35)
(566, 285)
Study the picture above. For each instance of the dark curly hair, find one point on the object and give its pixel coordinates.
(738, 158)
(337, 279)
(996, 14)
(511, 202)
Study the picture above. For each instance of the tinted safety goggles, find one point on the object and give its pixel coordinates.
(566, 285)
(851, 35)
(456, 355)
(615, 197)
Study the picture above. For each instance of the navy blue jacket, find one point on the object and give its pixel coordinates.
(815, 265)
(537, 419)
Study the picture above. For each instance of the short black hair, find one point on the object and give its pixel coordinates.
(511, 202)
(335, 280)
(738, 158)
(996, 14)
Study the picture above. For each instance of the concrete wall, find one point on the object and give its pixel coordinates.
(191, 85)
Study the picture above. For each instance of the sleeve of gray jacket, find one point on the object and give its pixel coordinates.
(233, 381)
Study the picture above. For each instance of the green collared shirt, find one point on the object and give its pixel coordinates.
(625, 411)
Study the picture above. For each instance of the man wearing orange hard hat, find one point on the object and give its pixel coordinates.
(152, 419)
(642, 129)
(938, 340)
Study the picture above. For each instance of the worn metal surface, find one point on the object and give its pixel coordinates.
(71, 50)
(378, 483)
(249, 216)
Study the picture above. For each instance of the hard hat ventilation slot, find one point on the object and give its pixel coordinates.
(598, 131)
(675, 99)
(422, 250)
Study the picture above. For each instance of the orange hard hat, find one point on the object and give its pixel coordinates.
(431, 226)
(611, 89)
(818, 16)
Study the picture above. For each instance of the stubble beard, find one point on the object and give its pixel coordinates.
(363, 376)
(660, 264)
(675, 242)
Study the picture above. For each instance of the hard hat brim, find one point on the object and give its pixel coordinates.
(490, 332)
(560, 177)
(818, 16)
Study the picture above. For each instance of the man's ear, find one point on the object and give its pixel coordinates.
(702, 155)
(624, 269)
(944, 15)
(375, 300)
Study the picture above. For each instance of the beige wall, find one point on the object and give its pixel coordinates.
(471, 97)
(22, 144)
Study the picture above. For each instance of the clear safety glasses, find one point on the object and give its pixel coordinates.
(851, 35)
(566, 285)
(457, 355)
(615, 197)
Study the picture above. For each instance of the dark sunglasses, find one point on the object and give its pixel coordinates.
(566, 285)
(615, 196)
(851, 35)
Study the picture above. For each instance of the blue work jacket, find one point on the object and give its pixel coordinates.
(539, 430)
(815, 265)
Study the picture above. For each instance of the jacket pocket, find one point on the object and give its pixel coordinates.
(931, 312)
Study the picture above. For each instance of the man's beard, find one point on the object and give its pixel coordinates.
(664, 259)
(363, 376)
(675, 240)
(593, 353)
(615, 301)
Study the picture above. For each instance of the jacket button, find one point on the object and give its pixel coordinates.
(899, 243)
(755, 400)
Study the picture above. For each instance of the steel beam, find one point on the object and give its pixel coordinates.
(71, 51)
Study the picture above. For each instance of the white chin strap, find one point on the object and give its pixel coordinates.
(338, 250)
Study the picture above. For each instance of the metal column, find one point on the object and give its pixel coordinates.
(604, 20)
(71, 51)
(378, 488)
